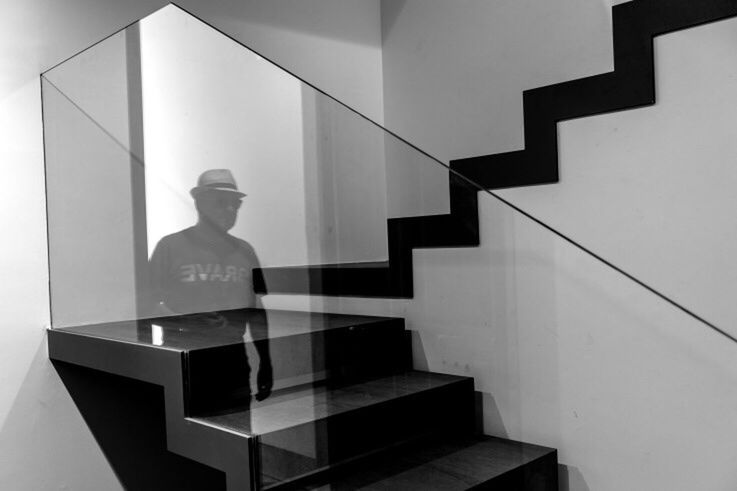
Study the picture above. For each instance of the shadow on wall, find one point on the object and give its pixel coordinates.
(571, 479)
(492, 418)
(390, 10)
(127, 419)
(44, 444)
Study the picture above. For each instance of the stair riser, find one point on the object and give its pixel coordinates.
(288, 454)
(218, 377)
(539, 475)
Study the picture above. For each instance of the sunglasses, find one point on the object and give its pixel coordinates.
(222, 201)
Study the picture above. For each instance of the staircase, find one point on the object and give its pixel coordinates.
(347, 412)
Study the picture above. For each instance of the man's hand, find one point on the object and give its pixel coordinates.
(264, 380)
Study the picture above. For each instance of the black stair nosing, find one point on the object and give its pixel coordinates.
(117, 357)
(347, 265)
(331, 280)
(447, 462)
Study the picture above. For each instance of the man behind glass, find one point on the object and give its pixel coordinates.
(205, 271)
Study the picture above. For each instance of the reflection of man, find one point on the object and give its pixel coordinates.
(204, 269)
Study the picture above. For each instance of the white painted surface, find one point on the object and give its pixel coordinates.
(454, 72)
(44, 443)
(88, 179)
(334, 45)
(653, 190)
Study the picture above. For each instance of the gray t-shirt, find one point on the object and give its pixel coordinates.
(192, 272)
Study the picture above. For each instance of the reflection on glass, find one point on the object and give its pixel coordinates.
(206, 272)
(173, 154)
(157, 335)
(203, 268)
(132, 122)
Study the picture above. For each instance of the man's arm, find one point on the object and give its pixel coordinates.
(158, 269)
(259, 330)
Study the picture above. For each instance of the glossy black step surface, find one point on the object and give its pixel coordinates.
(306, 430)
(200, 331)
(446, 464)
(302, 405)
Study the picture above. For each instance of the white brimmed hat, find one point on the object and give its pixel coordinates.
(216, 180)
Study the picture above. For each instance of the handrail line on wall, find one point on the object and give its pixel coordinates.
(616, 268)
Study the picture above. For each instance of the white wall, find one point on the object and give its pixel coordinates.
(39, 423)
(462, 66)
(334, 45)
(652, 190)
(87, 136)
(313, 170)
(44, 444)
(634, 394)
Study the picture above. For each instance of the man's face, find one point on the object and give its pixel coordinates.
(218, 209)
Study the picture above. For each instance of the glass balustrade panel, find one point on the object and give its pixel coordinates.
(201, 198)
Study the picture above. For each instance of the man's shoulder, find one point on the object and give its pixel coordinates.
(242, 244)
(183, 236)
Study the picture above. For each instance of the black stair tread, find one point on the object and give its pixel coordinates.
(441, 464)
(354, 265)
(187, 333)
(307, 404)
